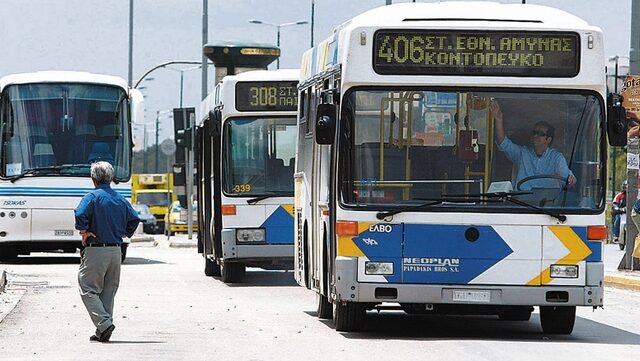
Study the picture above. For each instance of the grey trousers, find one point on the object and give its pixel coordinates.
(99, 277)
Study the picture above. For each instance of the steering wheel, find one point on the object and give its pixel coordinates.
(543, 176)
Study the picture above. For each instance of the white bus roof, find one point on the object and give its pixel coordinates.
(255, 75)
(468, 14)
(62, 77)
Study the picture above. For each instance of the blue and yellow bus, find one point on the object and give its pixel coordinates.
(407, 190)
(246, 147)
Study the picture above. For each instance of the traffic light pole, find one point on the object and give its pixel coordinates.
(189, 176)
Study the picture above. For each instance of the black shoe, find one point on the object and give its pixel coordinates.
(94, 338)
(106, 334)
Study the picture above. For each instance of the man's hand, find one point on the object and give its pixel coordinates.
(495, 109)
(85, 237)
(572, 180)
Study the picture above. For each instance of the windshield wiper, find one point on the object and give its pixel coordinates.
(36, 171)
(268, 195)
(385, 214)
(508, 197)
(55, 169)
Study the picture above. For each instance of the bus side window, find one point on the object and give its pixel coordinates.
(311, 110)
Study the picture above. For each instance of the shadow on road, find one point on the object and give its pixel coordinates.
(262, 278)
(53, 258)
(398, 325)
(133, 342)
(136, 261)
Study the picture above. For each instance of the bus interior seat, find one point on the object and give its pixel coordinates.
(100, 152)
(86, 136)
(43, 155)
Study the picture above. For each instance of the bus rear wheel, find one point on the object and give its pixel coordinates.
(557, 320)
(211, 268)
(349, 316)
(325, 308)
(232, 272)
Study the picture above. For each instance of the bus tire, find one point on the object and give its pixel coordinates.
(8, 253)
(232, 272)
(325, 308)
(349, 317)
(557, 320)
(516, 314)
(211, 268)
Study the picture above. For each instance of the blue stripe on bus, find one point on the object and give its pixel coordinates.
(52, 192)
(279, 227)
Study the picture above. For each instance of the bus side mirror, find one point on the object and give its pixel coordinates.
(617, 126)
(325, 123)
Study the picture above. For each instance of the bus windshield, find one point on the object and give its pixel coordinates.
(259, 156)
(406, 147)
(151, 199)
(60, 129)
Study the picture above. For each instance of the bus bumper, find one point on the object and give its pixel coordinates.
(255, 253)
(350, 290)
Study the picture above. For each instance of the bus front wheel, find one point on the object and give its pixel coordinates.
(349, 316)
(325, 308)
(211, 268)
(232, 272)
(557, 320)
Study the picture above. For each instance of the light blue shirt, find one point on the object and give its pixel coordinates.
(529, 163)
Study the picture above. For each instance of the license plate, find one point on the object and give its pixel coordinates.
(63, 232)
(472, 296)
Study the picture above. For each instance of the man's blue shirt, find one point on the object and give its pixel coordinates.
(551, 162)
(106, 213)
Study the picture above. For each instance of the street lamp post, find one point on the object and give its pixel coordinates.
(158, 113)
(182, 71)
(278, 27)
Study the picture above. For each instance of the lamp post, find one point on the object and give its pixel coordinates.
(158, 114)
(182, 71)
(278, 27)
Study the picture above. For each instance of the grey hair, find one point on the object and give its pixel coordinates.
(102, 172)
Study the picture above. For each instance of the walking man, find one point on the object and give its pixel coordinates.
(103, 217)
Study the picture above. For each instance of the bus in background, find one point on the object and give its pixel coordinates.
(246, 145)
(155, 191)
(54, 124)
(403, 198)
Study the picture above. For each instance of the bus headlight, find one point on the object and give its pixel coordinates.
(564, 271)
(254, 235)
(378, 268)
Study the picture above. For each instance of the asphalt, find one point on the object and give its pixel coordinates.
(612, 255)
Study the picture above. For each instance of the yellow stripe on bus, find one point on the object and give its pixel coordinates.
(578, 251)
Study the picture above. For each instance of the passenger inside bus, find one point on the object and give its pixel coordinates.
(538, 165)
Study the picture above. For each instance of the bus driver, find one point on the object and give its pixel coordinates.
(538, 160)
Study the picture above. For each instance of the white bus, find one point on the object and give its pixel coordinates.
(246, 148)
(54, 124)
(404, 199)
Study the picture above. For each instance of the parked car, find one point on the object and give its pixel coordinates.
(149, 224)
(176, 220)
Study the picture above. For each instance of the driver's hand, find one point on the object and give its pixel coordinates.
(572, 180)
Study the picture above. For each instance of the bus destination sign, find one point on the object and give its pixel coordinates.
(267, 96)
(488, 53)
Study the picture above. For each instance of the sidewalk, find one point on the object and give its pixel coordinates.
(623, 279)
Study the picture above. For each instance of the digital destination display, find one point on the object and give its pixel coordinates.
(267, 96)
(504, 53)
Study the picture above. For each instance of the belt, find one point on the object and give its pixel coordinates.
(103, 245)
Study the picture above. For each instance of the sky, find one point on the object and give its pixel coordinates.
(93, 36)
